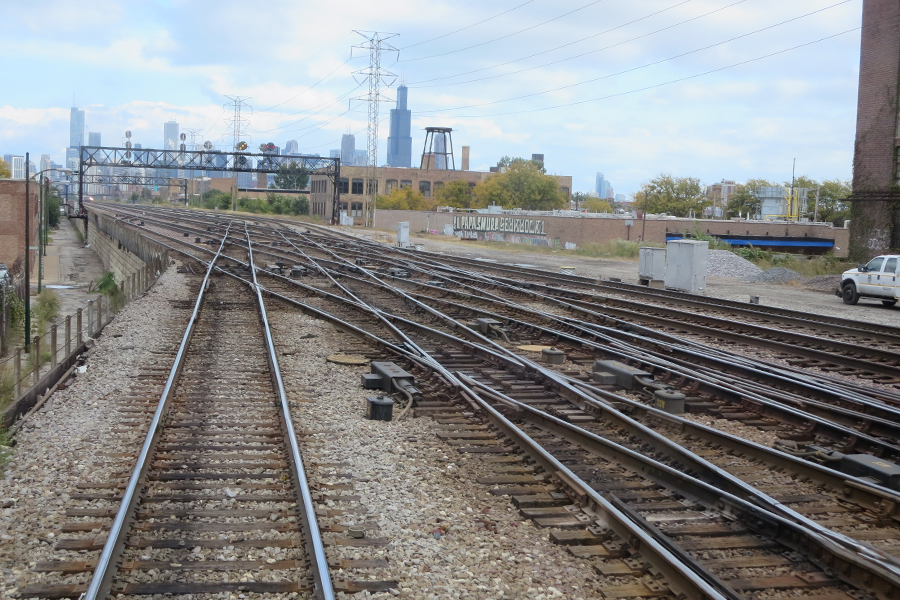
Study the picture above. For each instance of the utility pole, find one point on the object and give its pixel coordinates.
(816, 212)
(237, 124)
(27, 259)
(375, 75)
(791, 199)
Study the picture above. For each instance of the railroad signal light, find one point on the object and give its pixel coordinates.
(241, 146)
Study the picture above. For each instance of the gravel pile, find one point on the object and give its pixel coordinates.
(823, 283)
(725, 263)
(777, 275)
(64, 443)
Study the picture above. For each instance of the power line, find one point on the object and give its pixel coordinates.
(595, 79)
(509, 35)
(323, 106)
(309, 88)
(611, 29)
(658, 85)
(468, 26)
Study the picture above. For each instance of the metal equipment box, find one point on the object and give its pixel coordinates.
(403, 234)
(686, 265)
(651, 264)
(866, 465)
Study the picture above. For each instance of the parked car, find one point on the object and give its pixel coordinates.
(5, 279)
(876, 279)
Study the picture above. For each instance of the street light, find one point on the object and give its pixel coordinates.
(44, 223)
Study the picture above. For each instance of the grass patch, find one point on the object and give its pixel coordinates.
(6, 449)
(812, 266)
(44, 311)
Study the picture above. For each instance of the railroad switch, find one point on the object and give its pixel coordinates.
(484, 324)
(362, 261)
(865, 466)
(624, 374)
(276, 268)
(391, 379)
(298, 271)
(553, 356)
(398, 272)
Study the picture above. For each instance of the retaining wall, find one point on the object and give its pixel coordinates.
(121, 249)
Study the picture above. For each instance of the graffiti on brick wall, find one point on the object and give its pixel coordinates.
(496, 236)
(880, 240)
(499, 224)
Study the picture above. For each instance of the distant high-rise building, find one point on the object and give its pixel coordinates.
(348, 145)
(601, 186)
(170, 136)
(46, 163)
(621, 198)
(16, 165)
(610, 192)
(292, 147)
(76, 128)
(334, 153)
(399, 150)
(94, 139)
(360, 158)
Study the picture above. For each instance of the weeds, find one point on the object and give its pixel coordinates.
(6, 450)
(45, 311)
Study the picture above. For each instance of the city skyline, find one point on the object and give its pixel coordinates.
(616, 106)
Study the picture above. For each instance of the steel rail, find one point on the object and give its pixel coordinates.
(101, 581)
(485, 350)
(315, 549)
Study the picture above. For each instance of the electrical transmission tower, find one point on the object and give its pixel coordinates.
(238, 124)
(375, 43)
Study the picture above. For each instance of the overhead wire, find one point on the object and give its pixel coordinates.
(503, 37)
(309, 88)
(468, 26)
(658, 85)
(578, 41)
(602, 77)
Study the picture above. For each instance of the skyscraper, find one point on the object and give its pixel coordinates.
(348, 146)
(170, 136)
(76, 128)
(335, 153)
(291, 147)
(399, 150)
(603, 185)
(94, 139)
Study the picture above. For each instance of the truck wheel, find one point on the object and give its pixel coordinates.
(849, 293)
(889, 302)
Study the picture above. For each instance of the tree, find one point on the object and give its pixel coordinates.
(832, 207)
(5, 169)
(745, 199)
(292, 177)
(596, 205)
(579, 198)
(146, 194)
(53, 203)
(134, 197)
(403, 198)
(678, 196)
(216, 199)
(522, 185)
(455, 193)
(506, 162)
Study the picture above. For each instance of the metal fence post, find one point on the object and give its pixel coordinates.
(90, 317)
(78, 328)
(53, 347)
(17, 367)
(99, 316)
(68, 335)
(36, 359)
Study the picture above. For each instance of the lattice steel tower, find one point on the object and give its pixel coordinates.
(375, 76)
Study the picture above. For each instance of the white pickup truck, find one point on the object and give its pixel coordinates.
(877, 279)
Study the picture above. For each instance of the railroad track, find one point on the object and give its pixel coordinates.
(218, 501)
(478, 369)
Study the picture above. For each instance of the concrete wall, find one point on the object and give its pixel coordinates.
(559, 230)
(12, 220)
(121, 249)
(874, 219)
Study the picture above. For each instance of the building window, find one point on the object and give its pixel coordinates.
(425, 188)
(390, 185)
(356, 209)
(357, 186)
(405, 183)
(437, 187)
(344, 187)
(565, 191)
(373, 186)
(343, 206)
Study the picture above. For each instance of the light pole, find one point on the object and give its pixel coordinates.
(44, 223)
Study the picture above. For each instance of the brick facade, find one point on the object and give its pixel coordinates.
(580, 231)
(12, 220)
(874, 223)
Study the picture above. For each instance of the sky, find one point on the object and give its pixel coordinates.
(713, 89)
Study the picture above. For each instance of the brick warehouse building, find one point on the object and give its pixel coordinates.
(875, 212)
(387, 179)
(12, 220)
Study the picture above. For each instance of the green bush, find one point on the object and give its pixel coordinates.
(45, 310)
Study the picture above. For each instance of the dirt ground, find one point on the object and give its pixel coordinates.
(793, 296)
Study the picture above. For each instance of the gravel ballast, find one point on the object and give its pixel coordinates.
(62, 445)
(449, 538)
(777, 275)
